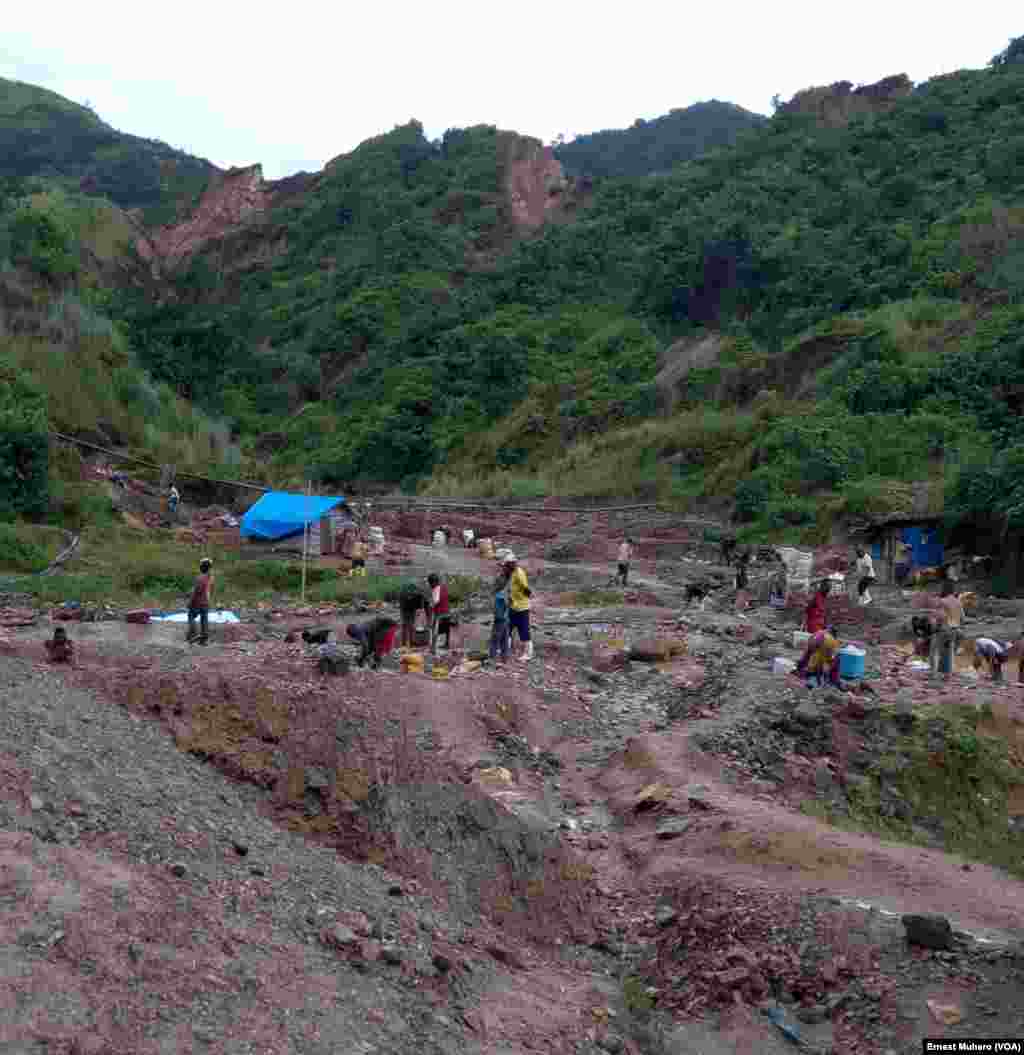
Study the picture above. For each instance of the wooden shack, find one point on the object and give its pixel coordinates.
(906, 534)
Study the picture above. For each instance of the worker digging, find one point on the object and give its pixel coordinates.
(375, 639)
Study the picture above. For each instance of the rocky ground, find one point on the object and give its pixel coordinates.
(223, 851)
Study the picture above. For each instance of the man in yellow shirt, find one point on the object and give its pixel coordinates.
(359, 557)
(519, 603)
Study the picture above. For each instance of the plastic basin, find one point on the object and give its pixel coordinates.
(851, 663)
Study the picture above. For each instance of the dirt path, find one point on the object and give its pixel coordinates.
(744, 839)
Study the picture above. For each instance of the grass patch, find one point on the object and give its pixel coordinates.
(282, 576)
(668, 460)
(266, 578)
(592, 599)
(387, 587)
(69, 587)
(28, 548)
(960, 775)
(124, 565)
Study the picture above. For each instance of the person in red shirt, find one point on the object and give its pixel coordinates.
(439, 614)
(199, 603)
(814, 618)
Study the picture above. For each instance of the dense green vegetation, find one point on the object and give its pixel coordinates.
(960, 789)
(23, 443)
(409, 330)
(654, 146)
(65, 366)
(865, 284)
(46, 136)
(411, 333)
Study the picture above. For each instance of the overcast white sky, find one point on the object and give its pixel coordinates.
(292, 87)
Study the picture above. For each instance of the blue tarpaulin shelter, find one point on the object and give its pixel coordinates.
(279, 514)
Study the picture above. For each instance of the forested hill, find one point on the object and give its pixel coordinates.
(807, 324)
(43, 135)
(654, 146)
(402, 313)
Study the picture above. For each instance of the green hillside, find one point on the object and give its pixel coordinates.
(390, 329)
(861, 286)
(45, 136)
(654, 146)
(861, 272)
(66, 366)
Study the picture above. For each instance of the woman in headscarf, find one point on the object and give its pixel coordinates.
(820, 661)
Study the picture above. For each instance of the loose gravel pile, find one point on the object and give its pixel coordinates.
(146, 898)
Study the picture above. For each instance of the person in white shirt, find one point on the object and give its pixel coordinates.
(996, 653)
(865, 575)
(625, 556)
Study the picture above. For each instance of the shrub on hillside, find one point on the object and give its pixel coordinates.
(753, 494)
(42, 243)
(790, 512)
(78, 505)
(24, 444)
(18, 553)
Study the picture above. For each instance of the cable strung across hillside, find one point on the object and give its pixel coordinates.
(408, 503)
(450, 503)
(149, 465)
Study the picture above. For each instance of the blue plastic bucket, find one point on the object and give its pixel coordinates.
(851, 663)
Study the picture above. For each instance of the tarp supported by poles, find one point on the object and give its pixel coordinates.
(279, 514)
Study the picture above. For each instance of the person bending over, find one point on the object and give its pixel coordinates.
(370, 637)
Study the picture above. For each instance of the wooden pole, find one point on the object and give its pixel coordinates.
(305, 544)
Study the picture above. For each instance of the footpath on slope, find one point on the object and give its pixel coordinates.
(581, 747)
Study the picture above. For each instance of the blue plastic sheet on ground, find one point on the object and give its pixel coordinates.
(220, 616)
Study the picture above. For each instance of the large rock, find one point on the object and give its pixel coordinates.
(807, 714)
(607, 660)
(340, 937)
(572, 649)
(673, 829)
(478, 847)
(930, 932)
(657, 650)
(651, 797)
